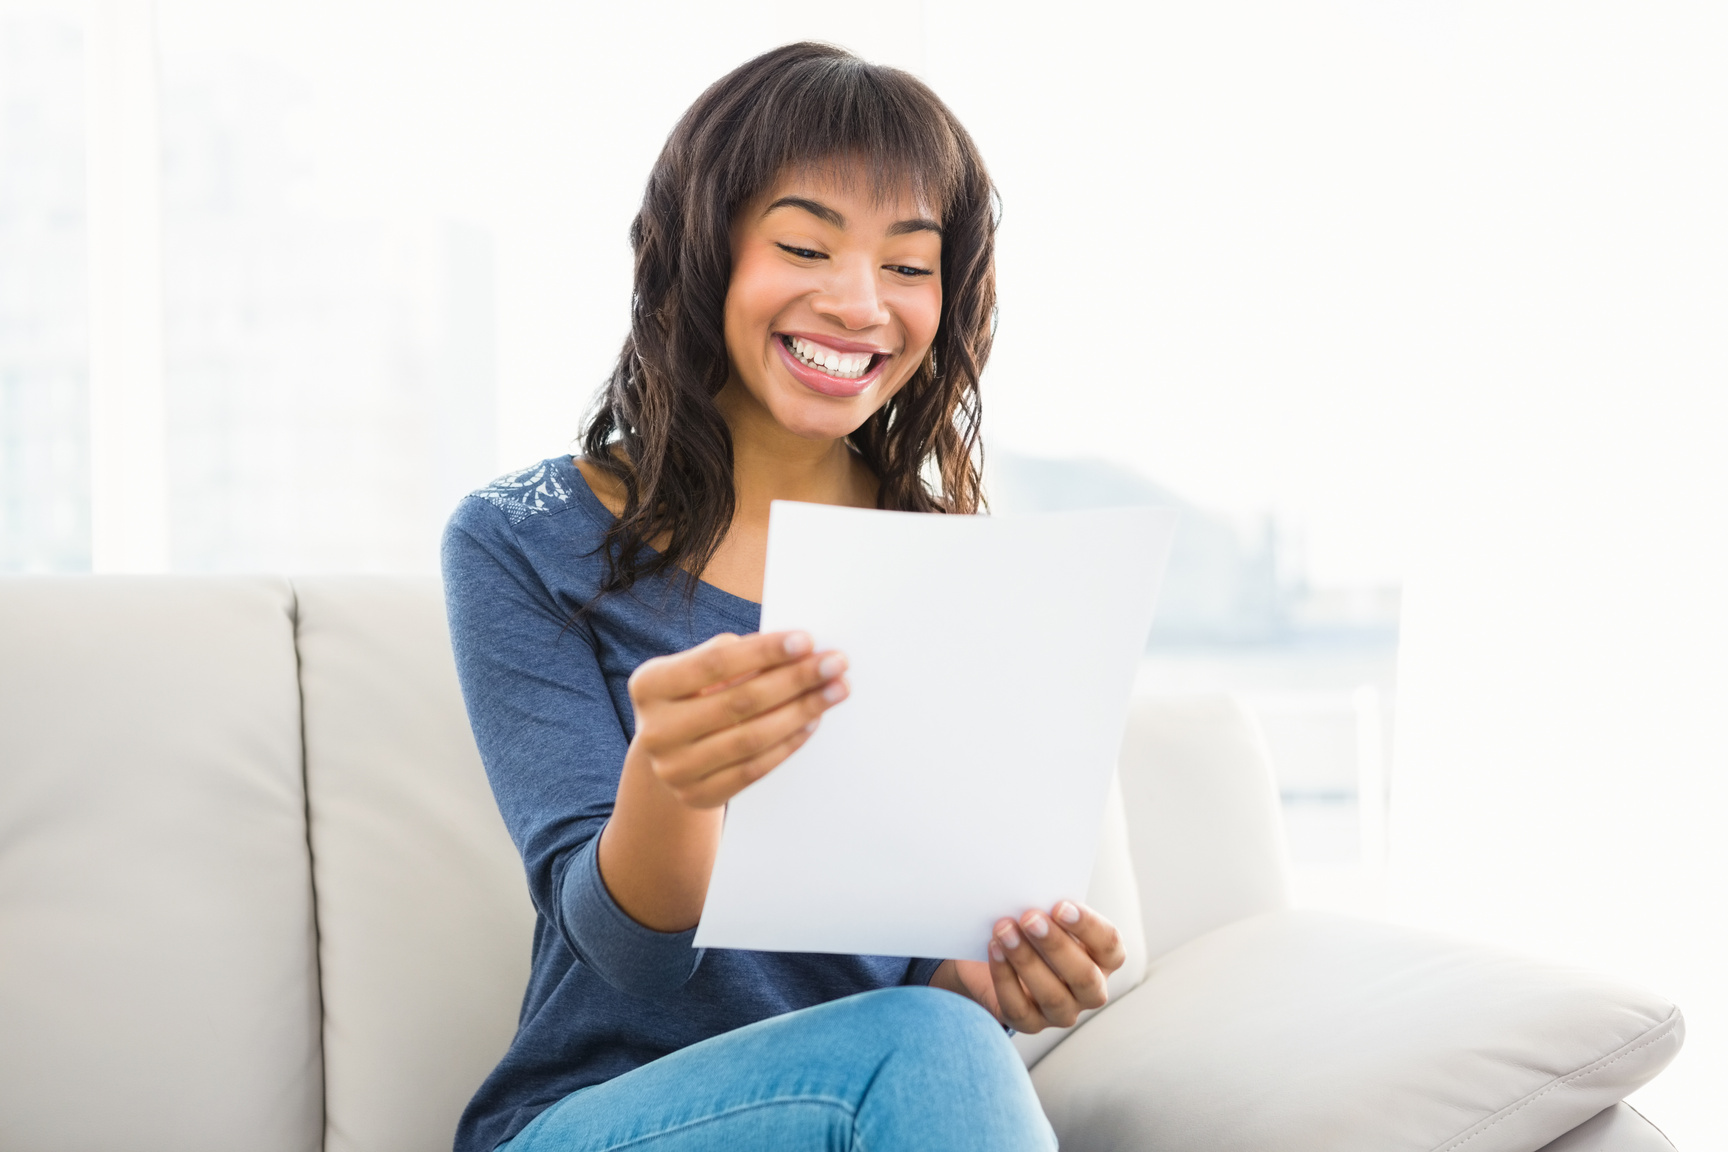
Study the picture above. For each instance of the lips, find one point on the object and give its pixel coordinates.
(831, 371)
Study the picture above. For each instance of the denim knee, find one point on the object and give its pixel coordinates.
(947, 1077)
(931, 1026)
(929, 1014)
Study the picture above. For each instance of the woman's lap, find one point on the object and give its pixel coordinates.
(896, 1068)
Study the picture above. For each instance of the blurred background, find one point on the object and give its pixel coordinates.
(1415, 310)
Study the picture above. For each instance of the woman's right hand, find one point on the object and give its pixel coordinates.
(712, 720)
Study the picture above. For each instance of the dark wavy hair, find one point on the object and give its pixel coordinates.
(801, 106)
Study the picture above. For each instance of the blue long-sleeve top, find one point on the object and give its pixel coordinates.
(548, 702)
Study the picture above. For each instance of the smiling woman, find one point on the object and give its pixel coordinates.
(865, 219)
(813, 304)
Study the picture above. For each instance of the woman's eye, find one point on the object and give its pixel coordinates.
(801, 253)
(906, 270)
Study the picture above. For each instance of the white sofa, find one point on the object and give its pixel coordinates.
(254, 895)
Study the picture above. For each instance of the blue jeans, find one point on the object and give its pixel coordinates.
(899, 1068)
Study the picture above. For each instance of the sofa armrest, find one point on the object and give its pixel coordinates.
(1304, 1031)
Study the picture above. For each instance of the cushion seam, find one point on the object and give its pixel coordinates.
(1657, 1032)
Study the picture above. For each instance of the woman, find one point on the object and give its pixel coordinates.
(814, 296)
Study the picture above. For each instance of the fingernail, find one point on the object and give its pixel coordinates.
(1067, 913)
(996, 952)
(831, 666)
(1037, 925)
(798, 643)
(1009, 937)
(835, 692)
(811, 727)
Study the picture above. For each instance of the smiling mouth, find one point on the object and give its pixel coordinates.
(839, 365)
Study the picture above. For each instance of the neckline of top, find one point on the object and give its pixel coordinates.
(713, 595)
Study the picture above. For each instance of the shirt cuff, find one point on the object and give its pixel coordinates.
(627, 955)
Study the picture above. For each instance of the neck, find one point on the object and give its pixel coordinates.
(770, 463)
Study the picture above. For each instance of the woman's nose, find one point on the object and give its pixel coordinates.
(851, 297)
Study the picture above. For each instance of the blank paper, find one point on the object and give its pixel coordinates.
(964, 779)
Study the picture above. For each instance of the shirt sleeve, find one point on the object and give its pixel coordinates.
(922, 971)
(553, 746)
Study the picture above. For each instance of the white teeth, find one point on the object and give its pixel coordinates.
(842, 364)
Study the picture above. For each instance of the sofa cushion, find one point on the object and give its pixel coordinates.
(1303, 1030)
(424, 922)
(158, 984)
(1203, 817)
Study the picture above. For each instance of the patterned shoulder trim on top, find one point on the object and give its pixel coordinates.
(531, 491)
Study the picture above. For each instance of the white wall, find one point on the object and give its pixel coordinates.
(1560, 773)
(1205, 248)
(536, 121)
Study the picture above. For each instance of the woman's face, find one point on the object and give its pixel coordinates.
(834, 299)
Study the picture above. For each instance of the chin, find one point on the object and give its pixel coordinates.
(823, 419)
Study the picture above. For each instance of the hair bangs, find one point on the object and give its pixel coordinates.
(837, 114)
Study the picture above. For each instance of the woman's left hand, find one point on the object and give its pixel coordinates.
(1044, 969)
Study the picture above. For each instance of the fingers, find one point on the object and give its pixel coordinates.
(717, 660)
(1077, 976)
(1047, 969)
(716, 788)
(688, 720)
(712, 720)
(1097, 935)
(738, 754)
(740, 742)
(1056, 1002)
(1013, 1006)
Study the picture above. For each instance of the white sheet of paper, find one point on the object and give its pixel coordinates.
(992, 661)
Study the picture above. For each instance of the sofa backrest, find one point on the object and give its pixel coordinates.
(424, 922)
(158, 980)
(162, 836)
(1204, 824)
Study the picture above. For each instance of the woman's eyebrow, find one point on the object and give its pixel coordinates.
(815, 207)
(905, 227)
(828, 216)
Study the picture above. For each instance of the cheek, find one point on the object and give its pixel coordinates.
(755, 296)
(921, 315)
